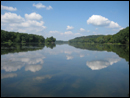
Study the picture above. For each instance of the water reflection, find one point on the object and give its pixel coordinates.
(121, 50)
(64, 71)
(69, 57)
(100, 64)
(8, 75)
(42, 77)
(13, 62)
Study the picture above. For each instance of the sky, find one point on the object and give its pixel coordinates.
(65, 20)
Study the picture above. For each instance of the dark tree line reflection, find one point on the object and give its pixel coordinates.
(12, 48)
(121, 50)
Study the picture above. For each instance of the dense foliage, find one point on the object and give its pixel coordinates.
(50, 40)
(16, 37)
(122, 37)
(87, 39)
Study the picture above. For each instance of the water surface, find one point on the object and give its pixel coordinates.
(64, 71)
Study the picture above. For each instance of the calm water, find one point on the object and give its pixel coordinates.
(63, 70)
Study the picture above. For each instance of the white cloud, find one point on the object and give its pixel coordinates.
(82, 30)
(33, 16)
(114, 25)
(62, 35)
(34, 23)
(98, 20)
(13, 22)
(121, 28)
(8, 8)
(88, 30)
(68, 32)
(53, 32)
(39, 5)
(69, 28)
(96, 28)
(49, 7)
(11, 18)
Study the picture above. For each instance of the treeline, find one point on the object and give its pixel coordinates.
(61, 42)
(16, 37)
(50, 40)
(122, 37)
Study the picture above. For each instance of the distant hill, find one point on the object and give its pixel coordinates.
(122, 37)
(61, 42)
(89, 38)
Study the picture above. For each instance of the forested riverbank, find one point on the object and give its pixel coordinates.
(121, 37)
(16, 37)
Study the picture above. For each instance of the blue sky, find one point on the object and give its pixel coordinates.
(65, 20)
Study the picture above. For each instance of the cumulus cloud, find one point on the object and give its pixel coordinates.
(88, 30)
(68, 32)
(114, 25)
(8, 8)
(62, 35)
(69, 28)
(52, 32)
(96, 28)
(32, 23)
(49, 7)
(98, 20)
(9, 17)
(33, 16)
(39, 5)
(82, 30)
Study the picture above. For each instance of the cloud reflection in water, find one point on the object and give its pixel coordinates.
(100, 64)
(32, 61)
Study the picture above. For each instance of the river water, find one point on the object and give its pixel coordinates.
(63, 71)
